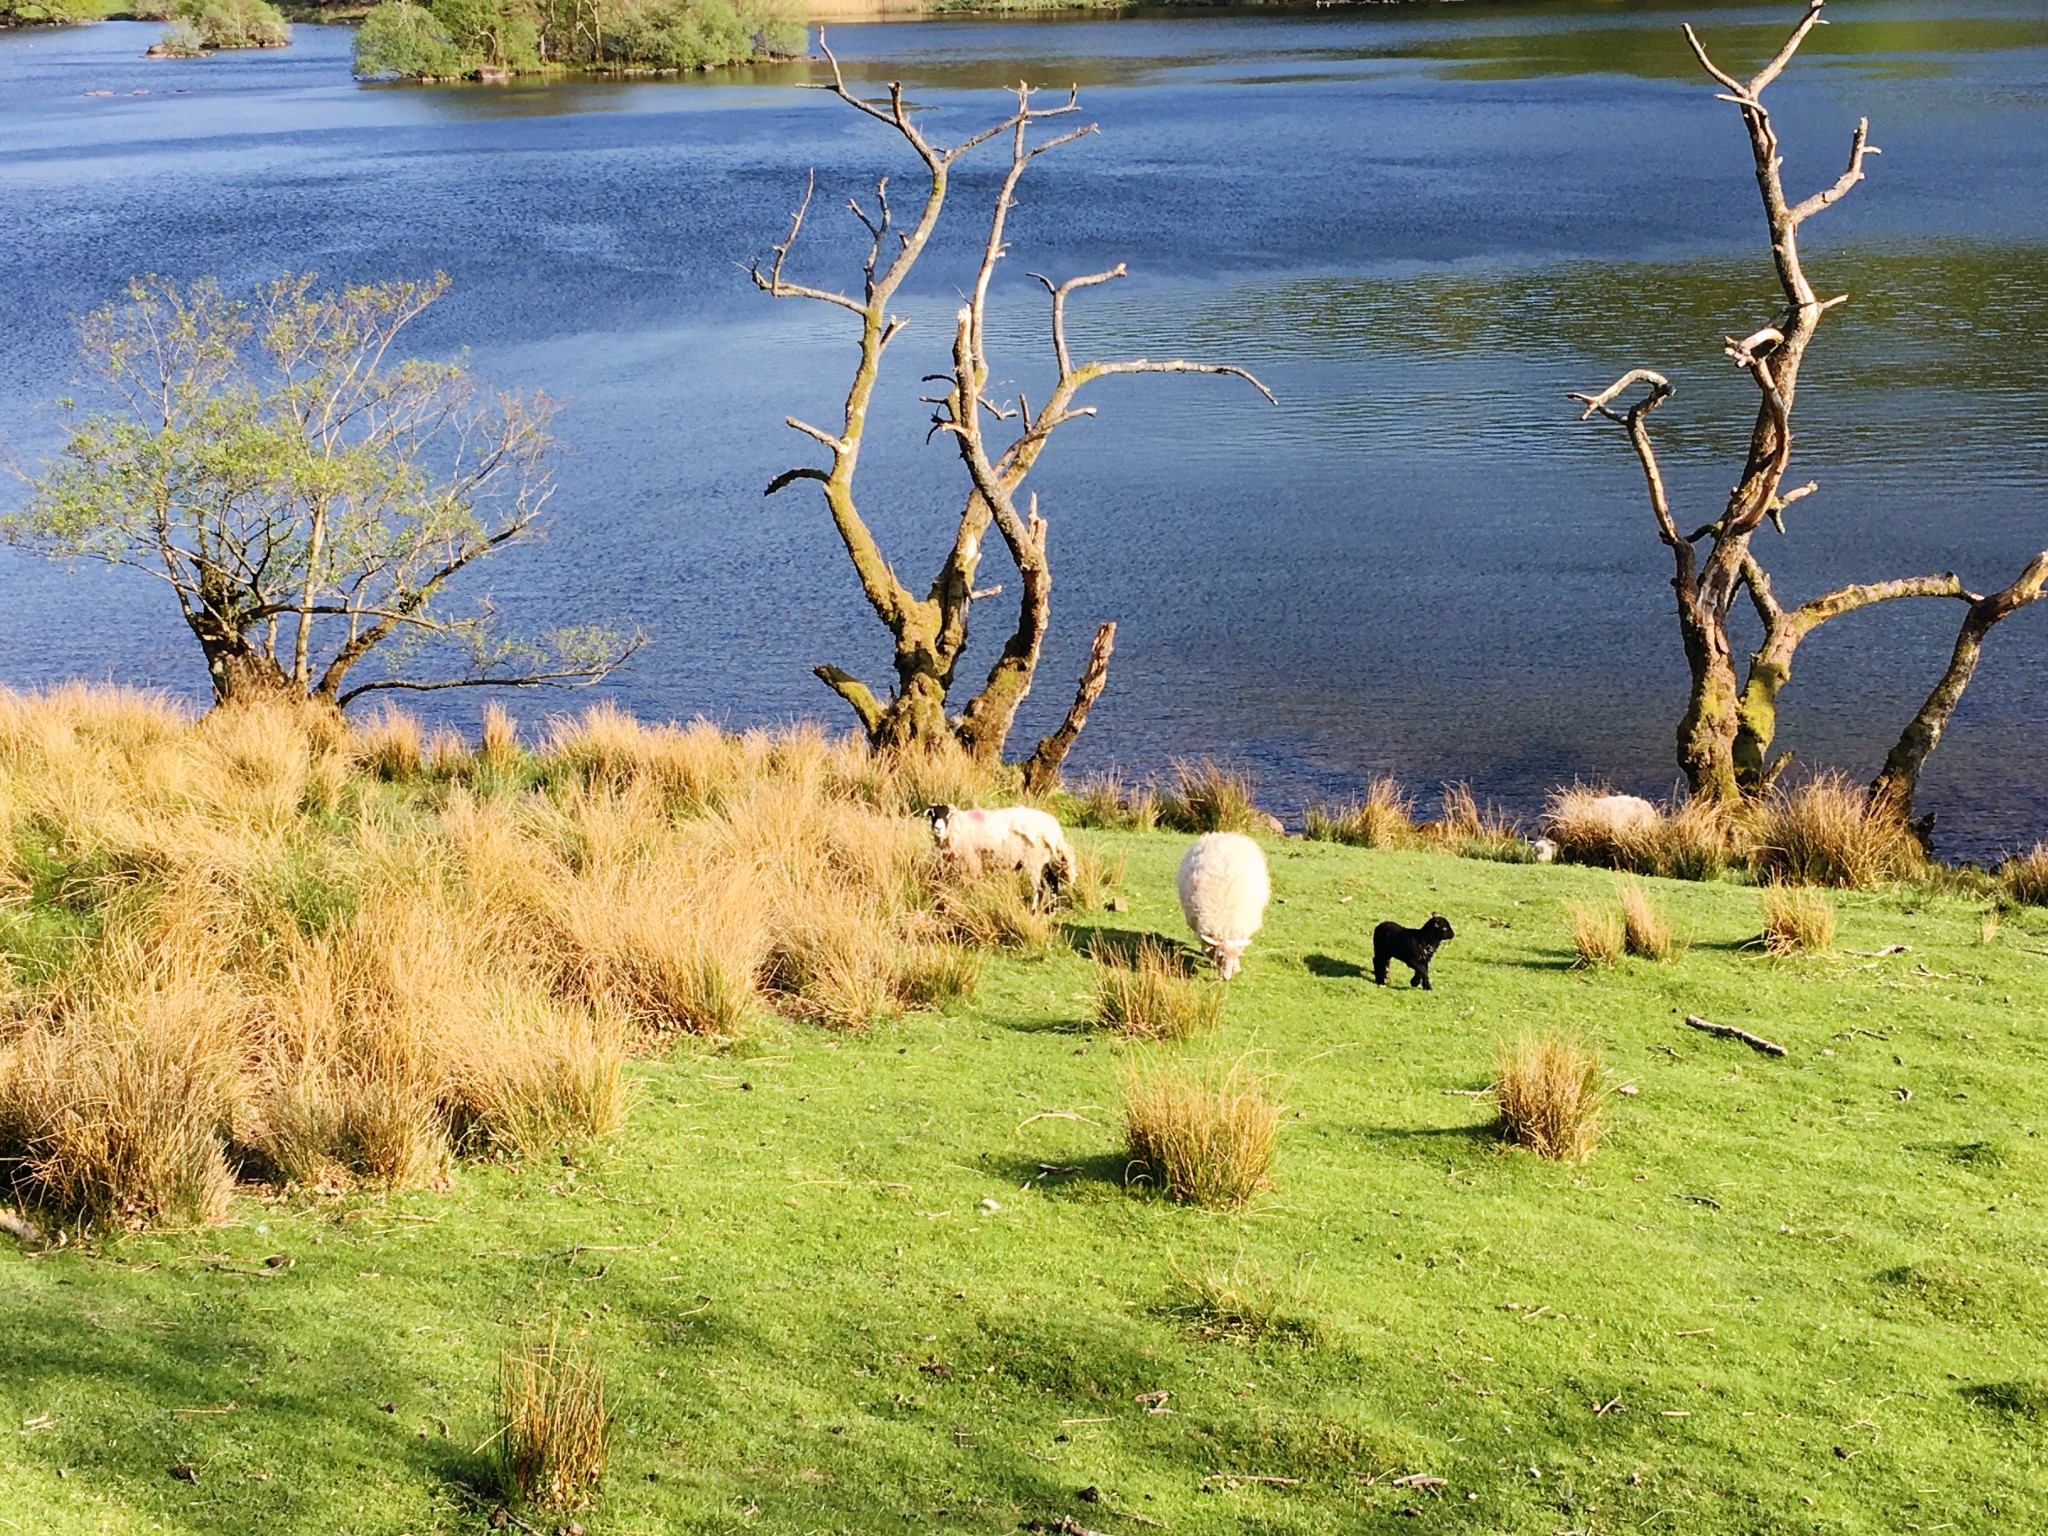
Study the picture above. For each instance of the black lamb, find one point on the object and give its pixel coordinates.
(1413, 947)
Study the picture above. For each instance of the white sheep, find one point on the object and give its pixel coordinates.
(1014, 837)
(1223, 893)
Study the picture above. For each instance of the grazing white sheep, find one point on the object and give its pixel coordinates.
(1621, 813)
(1223, 893)
(1013, 837)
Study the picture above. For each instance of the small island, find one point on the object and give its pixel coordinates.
(498, 39)
(200, 27)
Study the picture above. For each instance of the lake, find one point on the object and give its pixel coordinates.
(1421, 225)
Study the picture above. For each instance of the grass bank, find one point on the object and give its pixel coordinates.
(893, 1280)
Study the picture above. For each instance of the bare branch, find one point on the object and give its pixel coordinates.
(1859, 146)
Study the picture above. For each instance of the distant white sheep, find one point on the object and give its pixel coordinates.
(1013, 837)
(1224, 889)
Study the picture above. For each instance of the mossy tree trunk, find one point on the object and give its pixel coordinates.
(1726, 732)
(930, 634)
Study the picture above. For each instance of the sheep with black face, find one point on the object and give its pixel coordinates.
(1010, 838)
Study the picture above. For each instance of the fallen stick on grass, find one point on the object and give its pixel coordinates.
(1879, 954)
(1754, 1042)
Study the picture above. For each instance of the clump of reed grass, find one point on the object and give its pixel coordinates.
(1826, 832)
(1151, 993)
(1383, 817)
(1797, 922)
(389, 745)
(1646, 933)
(1472, 831)
(498, 742)
(1204, 795)
(1689, 839)
(554, 1426)
(248, 982)
(1109, 801)
(1244, 1303)
(2024, 879)
(1598, 937)
(1549, 1096)
(1204, 1135)
(994, 911)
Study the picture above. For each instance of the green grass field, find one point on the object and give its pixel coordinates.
(894, 1282)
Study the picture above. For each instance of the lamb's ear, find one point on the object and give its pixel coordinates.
(937, 813)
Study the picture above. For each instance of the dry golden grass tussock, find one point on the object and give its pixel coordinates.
(1472, 831)
(1152, 993)
(1598, 937)
(1549, 1095)
(123, 1113)
(1687, 839)
(1110, 801)
(389, 745)
(1797, 922)
(435, 963)
(1383, 817)
(2025, 879)
(994, 911)
(1645, 931)
(1207, 796)
(554, 1427)
(498, 741)
(1204, 1135)
(1825, 832)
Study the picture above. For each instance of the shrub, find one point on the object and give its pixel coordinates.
(1204, 1135)
(1597, 936)
(1151, 994)
(234, 23)
(1645, 932)
(2025, 879)
(403, 39)
(1383, 818)
(554, 1426)
(1206, 796)
(1825, 832)
(1797, 922)
(1549, 1095)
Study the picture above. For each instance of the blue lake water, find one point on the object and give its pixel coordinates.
(1421, 225)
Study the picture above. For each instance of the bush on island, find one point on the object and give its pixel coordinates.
(443, 39)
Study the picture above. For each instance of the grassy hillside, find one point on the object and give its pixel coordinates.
(893, 1281)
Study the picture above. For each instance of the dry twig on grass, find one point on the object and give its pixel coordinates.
(1754, 1042)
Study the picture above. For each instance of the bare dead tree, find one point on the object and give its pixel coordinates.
(930, 633)
(1726, 732)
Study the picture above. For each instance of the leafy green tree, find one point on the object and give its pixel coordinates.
(399, 38)
(307, 496)
(47, 13)
(234, 23)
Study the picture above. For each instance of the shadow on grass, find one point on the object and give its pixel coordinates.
(1329, 966)
(1486, 1130)
(1085, 1177)
(1120, 946)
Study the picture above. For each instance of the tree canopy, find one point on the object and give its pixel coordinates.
(307, 496)
(448, 39)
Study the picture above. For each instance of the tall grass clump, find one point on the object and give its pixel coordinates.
(1111, 802)
(554, 1426)
(1383, 817)
(1826, 832)
(1598, 938)
(1549, 1096)
(2024, 880)
(1204, 1135)
(1472, 831)
(1686, 840)
(1797, 922)
(1204, 795)
(1646, 933)
(266, 944)
(1150, 993)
